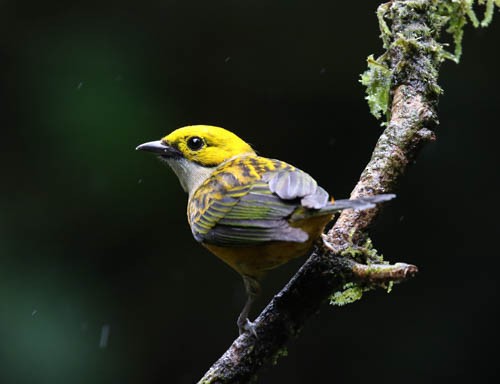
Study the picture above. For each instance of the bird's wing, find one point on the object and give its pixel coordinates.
(296, 184)
(249, 201)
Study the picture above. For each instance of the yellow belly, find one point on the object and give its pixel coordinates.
(254, 261)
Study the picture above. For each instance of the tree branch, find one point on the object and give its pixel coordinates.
(411, 65)
(382, 274)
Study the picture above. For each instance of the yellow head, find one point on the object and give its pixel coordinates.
(205, 145)
(193, 152)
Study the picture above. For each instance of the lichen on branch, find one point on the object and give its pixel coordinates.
(450, 15)
(377, 80)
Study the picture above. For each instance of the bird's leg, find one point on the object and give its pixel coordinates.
(252, 289)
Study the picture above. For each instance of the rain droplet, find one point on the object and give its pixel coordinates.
(103, 342)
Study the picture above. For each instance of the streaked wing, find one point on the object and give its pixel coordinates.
(257, 217)
(253, 218)
(238, 207)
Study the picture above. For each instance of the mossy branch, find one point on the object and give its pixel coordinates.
(403, 85)
(448, 15)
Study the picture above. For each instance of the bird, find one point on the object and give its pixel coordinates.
(254, 213)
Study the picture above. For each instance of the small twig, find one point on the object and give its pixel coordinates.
(382, 274)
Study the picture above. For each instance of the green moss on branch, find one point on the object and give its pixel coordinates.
(419, 37)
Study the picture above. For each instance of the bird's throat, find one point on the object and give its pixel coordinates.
(191, 175)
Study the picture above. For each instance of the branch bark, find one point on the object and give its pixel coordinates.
(413, 61)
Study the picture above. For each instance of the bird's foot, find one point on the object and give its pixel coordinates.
(247, 326)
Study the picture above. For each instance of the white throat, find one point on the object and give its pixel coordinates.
(190, 174)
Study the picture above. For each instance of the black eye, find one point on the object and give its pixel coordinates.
(194, 143)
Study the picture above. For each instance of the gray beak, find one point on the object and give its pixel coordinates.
(160, 148)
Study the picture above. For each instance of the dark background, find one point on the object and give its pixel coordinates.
(93, 235)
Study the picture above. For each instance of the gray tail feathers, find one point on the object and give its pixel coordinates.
(360, 203)
(339, 205)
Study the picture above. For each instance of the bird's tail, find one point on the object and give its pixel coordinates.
(360, 203)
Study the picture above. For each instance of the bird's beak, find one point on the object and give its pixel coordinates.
(160, 148)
